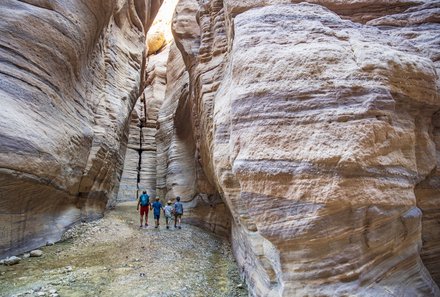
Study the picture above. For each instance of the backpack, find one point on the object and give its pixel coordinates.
(145, 200)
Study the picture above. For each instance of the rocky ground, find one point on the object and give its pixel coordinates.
(113, 257)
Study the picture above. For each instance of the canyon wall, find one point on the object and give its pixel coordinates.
(316, 124)
(139, 172)
(179, 172)
(308, 133)
(70, 73)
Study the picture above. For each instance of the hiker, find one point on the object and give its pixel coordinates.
(144, 201)
(178, 212)
(167, 211)
(156, 206)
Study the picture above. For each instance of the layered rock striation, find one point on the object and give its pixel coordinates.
(179, 172)
(316, 125)
(69, 77)
(139, 172)
(307, 132)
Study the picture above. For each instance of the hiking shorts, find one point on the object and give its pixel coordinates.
(144, 210)
(177, 215)
(156, 216)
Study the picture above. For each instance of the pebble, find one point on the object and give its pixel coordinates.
(41, 294)
(49, 243)
(27, 255)
(207, 254)
(11, 260)
(36, 253)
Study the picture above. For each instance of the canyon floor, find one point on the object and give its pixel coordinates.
(113, 257)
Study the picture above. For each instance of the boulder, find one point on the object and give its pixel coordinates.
(11, 260)
(36, 253)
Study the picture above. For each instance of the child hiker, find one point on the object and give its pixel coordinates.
(178, 212)
(167, 211)
(156, 206)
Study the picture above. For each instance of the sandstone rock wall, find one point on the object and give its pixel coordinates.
(69, 76)
(317, 127)
(139, 172)
(428, 200)
(178, 170)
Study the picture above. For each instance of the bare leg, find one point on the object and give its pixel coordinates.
(146, 218)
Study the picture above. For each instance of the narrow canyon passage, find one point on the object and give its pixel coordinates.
(306, 134)
(113, 257)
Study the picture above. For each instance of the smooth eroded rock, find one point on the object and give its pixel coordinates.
(11, 260)
(36, 253)
(315, 130)
(70, 75)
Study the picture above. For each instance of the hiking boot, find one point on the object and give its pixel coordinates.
(140, 227)
(168, 227)
(180, 227)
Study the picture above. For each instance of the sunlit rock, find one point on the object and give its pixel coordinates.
(316, 130)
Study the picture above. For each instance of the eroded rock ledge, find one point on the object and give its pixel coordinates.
(70, 73)
(316, 125)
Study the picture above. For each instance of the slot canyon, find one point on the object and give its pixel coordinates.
(304, 133)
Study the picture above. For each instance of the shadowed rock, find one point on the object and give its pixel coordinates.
(70, 75)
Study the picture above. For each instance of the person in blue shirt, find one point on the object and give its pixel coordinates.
(157, 207)
(178, 212)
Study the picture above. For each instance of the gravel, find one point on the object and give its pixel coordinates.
(113, 257)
